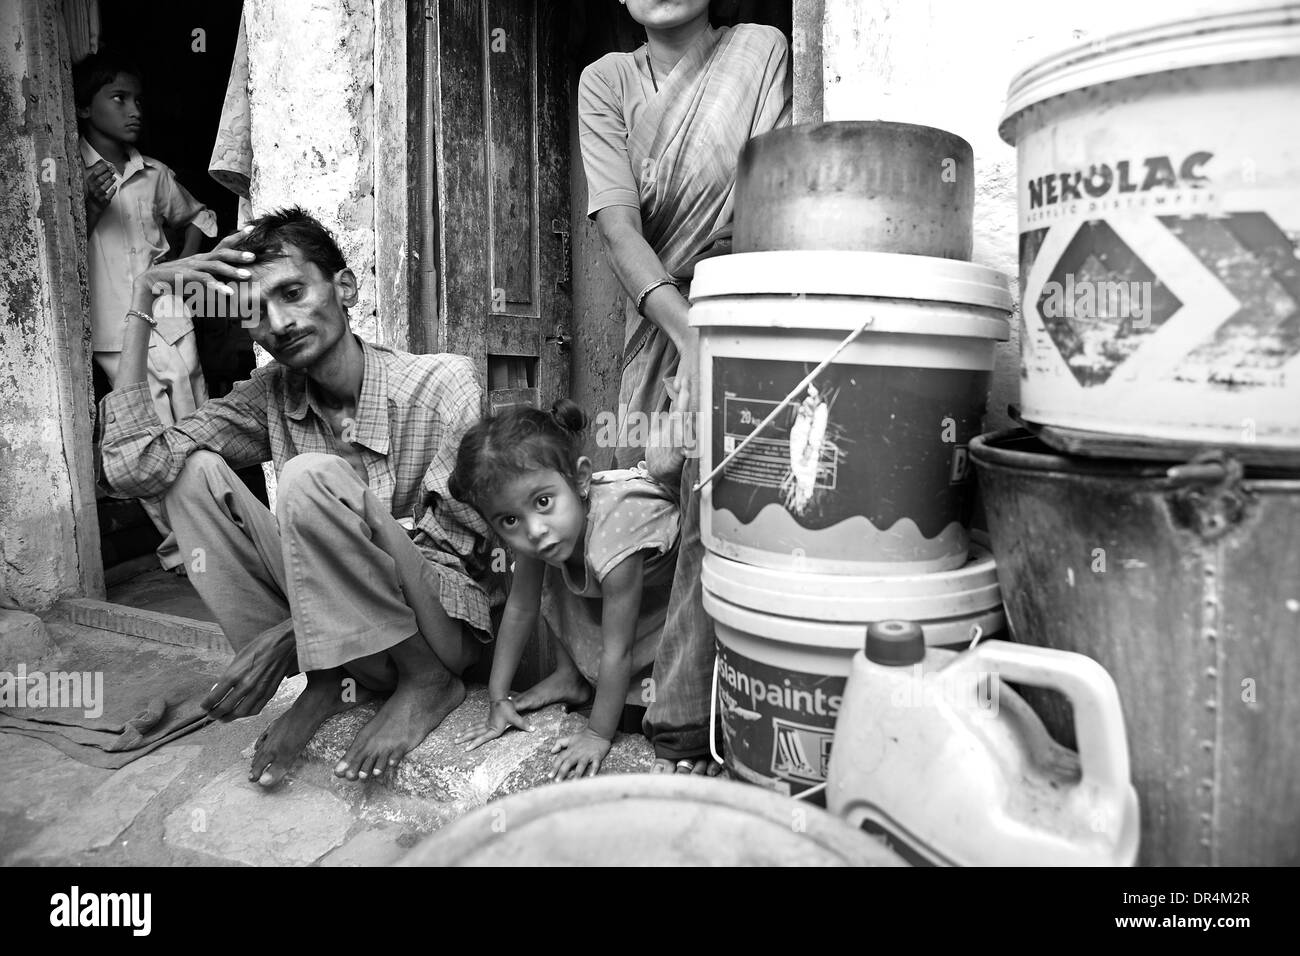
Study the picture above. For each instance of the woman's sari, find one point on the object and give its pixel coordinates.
(731, 85)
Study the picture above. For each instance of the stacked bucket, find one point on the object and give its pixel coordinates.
(846, 349)
(1149, 514)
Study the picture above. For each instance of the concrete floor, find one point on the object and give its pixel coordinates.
(154, 589)
(190, 803)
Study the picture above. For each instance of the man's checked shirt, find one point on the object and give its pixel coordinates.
(410, 418)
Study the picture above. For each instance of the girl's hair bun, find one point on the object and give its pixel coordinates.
(569, 415)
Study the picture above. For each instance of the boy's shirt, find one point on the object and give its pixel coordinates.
(129, 238)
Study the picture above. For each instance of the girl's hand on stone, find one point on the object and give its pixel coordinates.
(502, 715)
(579, 755)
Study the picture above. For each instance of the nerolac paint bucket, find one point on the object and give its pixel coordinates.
(786, 643)
(866, 471)
(1159, 220)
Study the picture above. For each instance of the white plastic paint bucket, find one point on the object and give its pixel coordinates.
(1159, 218)
(786, 643)
(865, 471)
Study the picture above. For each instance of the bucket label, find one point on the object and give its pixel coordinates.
(864, 448)
(778, 723)
(1158, 255)
(801, 752)
(766, 462)
(1225, 289)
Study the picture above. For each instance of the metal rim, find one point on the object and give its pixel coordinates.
(988, 450)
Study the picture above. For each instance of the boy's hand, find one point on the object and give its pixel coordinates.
(579, 755)
(101, 183)
(501, 715)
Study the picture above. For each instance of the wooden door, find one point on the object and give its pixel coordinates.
(489, 132)
(497, 178)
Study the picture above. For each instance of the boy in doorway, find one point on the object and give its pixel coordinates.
(130, 200)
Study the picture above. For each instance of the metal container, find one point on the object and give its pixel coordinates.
(1184, 583)
(857, 186)
(647, 820)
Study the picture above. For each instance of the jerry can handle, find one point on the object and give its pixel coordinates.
(1098, 718)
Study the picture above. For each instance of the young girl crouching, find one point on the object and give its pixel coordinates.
(593, 553)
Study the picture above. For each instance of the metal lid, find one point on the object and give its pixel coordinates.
(1202, 41)
(849, 598)
(881, 275)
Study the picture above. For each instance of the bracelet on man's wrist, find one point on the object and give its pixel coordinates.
(153, 323)
(509, 698)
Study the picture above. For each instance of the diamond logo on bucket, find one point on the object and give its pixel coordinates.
(1101, 303)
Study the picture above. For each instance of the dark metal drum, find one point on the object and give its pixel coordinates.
(861, 186)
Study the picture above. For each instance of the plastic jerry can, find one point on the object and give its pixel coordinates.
(937, 755)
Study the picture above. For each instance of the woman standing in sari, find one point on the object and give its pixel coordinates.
(661, 130)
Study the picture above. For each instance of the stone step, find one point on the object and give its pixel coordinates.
(442, 770)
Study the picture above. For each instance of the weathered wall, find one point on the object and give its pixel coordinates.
(392, 184)
(311, 88)
(947, 64)
(45, 481)
(598, 303)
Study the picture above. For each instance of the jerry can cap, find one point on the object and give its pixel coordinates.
(895, 643)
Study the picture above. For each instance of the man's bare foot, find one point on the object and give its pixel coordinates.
(699, 766)
(562, 685)
(280, 744)
(417, 706)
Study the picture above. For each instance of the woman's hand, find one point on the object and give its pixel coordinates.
(502, 714)
(579, 755)
(686, 386)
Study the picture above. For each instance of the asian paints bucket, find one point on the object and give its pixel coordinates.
(786, 642)
(1159, 216)
(1184, 583)
(865, 472)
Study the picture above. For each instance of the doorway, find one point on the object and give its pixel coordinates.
(184, 54)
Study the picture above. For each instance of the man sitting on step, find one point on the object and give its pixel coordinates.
(361, 437)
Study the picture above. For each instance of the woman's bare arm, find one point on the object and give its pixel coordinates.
(636, 265)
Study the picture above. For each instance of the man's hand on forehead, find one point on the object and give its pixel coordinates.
(224, 269)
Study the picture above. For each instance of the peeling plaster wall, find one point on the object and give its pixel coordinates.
(311, 87)
(38, 539)
(947, 64)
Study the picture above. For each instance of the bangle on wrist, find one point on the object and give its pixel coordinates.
(641, 296)
(153, 323)
(502, 700)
